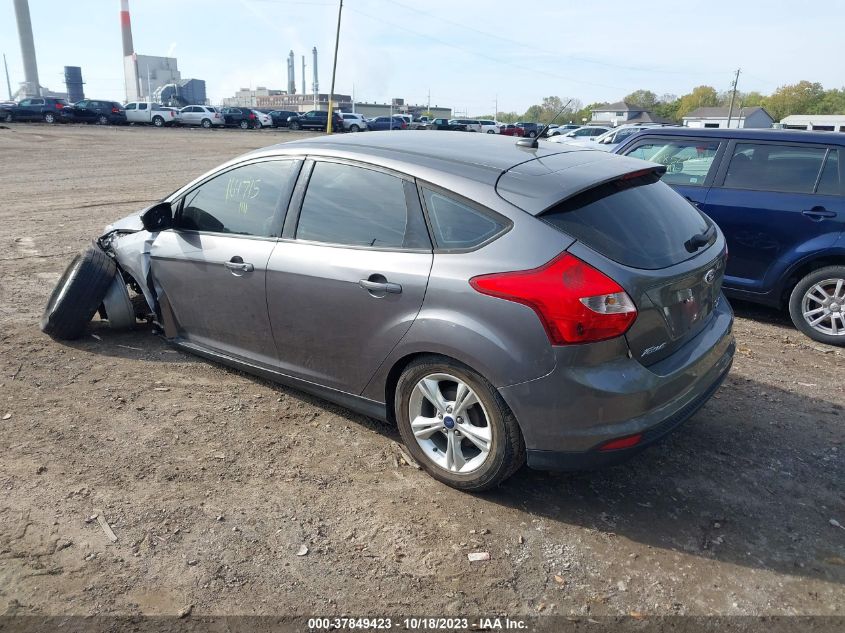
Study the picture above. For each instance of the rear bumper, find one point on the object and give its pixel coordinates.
(596, 394)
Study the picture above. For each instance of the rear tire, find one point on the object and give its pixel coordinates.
(9, 118)
(158, 121)
(49, 117)
(206, 123)
(294, 126)
(532, 134)
(488, 416)
(244, 125)
(102, 120)
(78, 294)
(820, 295)
(354, 128)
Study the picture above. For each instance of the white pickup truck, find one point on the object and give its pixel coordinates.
(150, 113)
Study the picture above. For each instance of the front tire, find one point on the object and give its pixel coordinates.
(9, 118)
(532, 134)
(817, 305)
(456, 425)
(294, 126)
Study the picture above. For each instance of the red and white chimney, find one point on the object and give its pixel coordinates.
(130, 60)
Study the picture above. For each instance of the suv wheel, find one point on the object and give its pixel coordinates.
(206, 123)
(102, 120)
(456, 425)
(294, 125)
(354, 128)
(532, 134)
(817, 305)
(49, 117)
(244, 124)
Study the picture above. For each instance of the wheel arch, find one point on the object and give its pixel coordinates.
(805, 267)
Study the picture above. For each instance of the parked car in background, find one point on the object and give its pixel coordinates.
(47, 109)
(562, 129)
(202, 115)
(316, 120)
(354, 122)
(280, 117)
(529, 129)
(262, 119)
(455, 285)
(583, 135)
(150, 113)
(446, 124)
(779, 198)
(243, 118)
(471, 125)
(99, 112)
(489, 127)
(511, 129)
(388, 123)
(614, 137)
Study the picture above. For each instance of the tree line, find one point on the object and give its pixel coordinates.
(804, 97)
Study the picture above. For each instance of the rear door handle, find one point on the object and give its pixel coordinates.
(818, 214)
(238, 265)
(380, 286)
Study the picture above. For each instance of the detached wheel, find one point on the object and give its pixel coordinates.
(78, 294)
(158, 121)
(817, 305)
(206, 123)
(456, 425)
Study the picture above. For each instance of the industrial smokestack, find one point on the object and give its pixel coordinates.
(291, 74)
(316, 81)
(31, 87)
(303, 74)
(130, 61)
(73, 81)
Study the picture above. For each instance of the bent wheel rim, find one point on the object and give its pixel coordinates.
(823, 307)
(450, 423)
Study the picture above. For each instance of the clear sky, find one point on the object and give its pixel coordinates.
(467, 53)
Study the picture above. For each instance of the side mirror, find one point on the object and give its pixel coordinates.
(158, 217)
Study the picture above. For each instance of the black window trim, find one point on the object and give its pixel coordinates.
(729, 152)
(507, 223)
(715, 166)
(178, 198)
(300, 189)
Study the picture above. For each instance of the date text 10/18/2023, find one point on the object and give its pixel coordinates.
(417, 623)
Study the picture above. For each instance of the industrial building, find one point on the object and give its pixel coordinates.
(181, 93)
(156, 72)
(398, 106)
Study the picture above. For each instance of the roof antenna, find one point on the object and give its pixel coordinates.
(534, 143)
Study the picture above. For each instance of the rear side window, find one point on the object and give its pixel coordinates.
(829, 183)
(354, 206)
(458, 226)
(688, 162)
(248, 200)
(766, 167)
(639, 222)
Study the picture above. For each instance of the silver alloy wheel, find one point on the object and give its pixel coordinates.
(823, 307)
(450, 423)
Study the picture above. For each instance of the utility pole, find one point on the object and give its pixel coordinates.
(496, 113)
(8, 83)
(733, 97)
(334, 69)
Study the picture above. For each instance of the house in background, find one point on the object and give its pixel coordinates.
(622, 113)
(821, 122)
(753, 117)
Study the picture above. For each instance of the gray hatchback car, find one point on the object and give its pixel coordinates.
(497, 302)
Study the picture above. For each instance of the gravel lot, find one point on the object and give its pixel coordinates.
(213, 480)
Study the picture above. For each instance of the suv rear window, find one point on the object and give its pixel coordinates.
(638, 222)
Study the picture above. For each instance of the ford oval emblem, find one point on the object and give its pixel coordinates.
(710, 276)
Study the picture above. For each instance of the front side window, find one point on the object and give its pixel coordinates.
(688, 162)
(456, 225)
(130, 106)
(767, 167)
(354, 206)
(248, 200)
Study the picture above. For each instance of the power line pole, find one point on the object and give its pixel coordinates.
(334, 69)
(733, 97)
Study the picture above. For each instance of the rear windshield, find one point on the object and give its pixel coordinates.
(638, 222)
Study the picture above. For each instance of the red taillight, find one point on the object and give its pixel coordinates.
(251, 116)
(575, 302)
(59, 106)
(622, 442)
(115, 110)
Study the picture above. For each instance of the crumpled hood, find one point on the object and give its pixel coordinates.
(129, 223)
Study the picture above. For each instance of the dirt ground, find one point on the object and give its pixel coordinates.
(212, 480)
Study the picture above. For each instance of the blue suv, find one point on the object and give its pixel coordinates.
(779, 198)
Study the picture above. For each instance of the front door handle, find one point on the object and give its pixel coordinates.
(817, 214)
(237, 264)
(380, 286)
